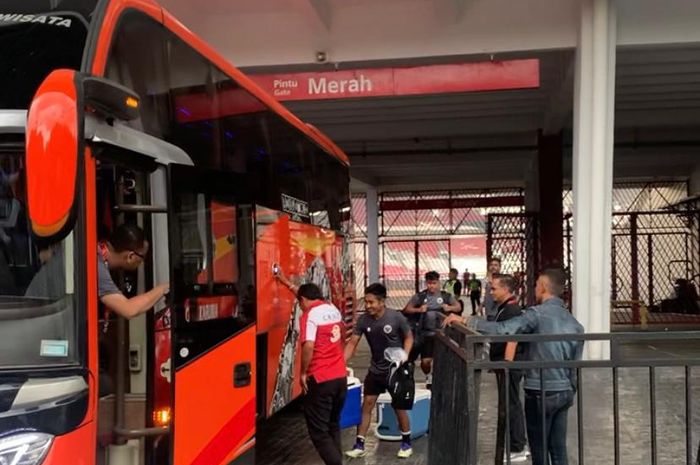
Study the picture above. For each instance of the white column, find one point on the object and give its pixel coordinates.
(372, 234)
(593, 167)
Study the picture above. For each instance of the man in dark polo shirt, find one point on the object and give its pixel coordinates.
(503, 288)
(384, 328)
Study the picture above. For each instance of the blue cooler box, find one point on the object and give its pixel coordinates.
(387, 424)
(351, 414)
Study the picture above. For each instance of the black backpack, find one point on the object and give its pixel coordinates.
(402, 387)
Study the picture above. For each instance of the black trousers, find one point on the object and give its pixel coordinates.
(475, 297)
(322, 406)
(516, 416)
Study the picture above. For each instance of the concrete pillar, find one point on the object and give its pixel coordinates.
(532, 189)
(549, 161)
(694, 184)
(594, 102)
(372, 234)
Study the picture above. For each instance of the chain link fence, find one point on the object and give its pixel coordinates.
(405, 262)
(358, 245)
(638, 197)
(514, 239)
(655, 267)
(653, 246)
(460, 212)
(466, 226)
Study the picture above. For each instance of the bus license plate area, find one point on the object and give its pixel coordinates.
(211, 308)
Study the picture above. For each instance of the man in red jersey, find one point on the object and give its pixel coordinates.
(323, 370)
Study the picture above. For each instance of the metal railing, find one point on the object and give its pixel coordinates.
(461, 357)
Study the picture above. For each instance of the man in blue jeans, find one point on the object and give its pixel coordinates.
(549, 317)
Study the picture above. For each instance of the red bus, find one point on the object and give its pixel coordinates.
(111, 111)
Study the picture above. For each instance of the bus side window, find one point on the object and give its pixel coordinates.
(207, 265)
(225, 253)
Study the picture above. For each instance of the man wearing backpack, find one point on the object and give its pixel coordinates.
(422, 314)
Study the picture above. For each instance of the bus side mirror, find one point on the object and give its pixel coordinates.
(110, 99)
(55, 142)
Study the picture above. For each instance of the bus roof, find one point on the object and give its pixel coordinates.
(224, 65)
(110, 15)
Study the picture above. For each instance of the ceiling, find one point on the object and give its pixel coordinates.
(474, 139)
(490, 138)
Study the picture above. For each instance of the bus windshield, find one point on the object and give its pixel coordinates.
(36, 37)
(38, 318)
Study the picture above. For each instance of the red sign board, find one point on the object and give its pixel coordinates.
(379, 82)
(428, 204)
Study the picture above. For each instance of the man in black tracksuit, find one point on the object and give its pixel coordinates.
(503, 287)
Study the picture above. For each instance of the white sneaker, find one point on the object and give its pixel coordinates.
(519, 457)
(356, 452)
(405, 451)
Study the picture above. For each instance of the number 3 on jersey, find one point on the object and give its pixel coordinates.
(335, 333)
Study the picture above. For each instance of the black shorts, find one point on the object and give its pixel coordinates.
(423, 348)
(376, 384)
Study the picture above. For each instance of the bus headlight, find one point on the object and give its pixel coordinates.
(24, 448)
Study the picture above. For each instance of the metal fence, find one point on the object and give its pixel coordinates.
(655, 260)
(655, 256)
(454, 404)
(641, 425)
(514, 239)
(358, 245)
(638, 196)
(404, 262)
(444, 213)
(442, 229)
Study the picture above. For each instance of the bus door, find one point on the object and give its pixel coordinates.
(213, 318)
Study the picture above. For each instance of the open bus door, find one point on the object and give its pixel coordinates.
(213, 318)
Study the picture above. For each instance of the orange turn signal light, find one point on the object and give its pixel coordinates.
(132, 102)
(161, 417)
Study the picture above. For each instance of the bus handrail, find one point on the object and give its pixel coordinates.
(122, 207)
(125, 433)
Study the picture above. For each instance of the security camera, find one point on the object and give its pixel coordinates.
(321, 57)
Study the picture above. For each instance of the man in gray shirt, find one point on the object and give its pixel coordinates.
(125, 250)
(488, 304)
(422, 312)
(384, 328)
